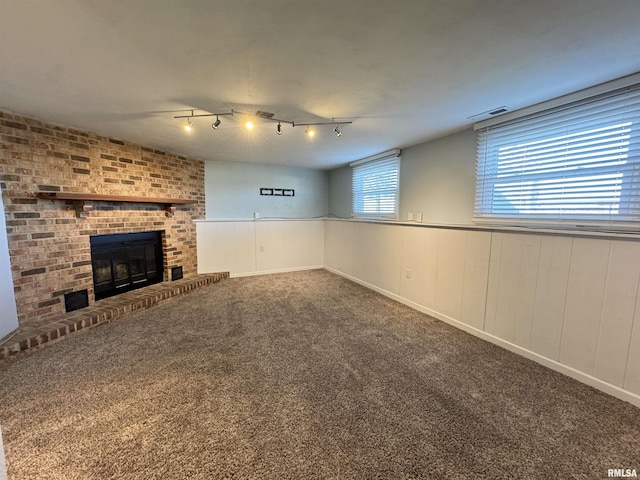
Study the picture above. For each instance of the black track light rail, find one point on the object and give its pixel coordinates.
(193, 115)
(271, 119)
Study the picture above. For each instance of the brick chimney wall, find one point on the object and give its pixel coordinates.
(49, 238)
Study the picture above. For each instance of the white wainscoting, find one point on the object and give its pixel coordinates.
(569, 302)
(247, 247)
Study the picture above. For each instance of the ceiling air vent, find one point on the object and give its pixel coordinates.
(498, 111)
(489, 113)
(262, 114)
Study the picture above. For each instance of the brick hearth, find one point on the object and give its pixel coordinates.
(46, 332)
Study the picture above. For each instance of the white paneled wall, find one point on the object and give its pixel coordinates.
(583, 303)
(632, 373)
(476, 265)
(287, 245)
(620, 297)
(551, 292)
(512, 287)
(377, 255)
(339, 246)
(567, 301)
(226, 247)
(245, 247)
(446, 272)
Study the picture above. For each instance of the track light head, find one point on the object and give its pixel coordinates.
(216, 124)
(309, 132)
(279, 129)
(189, 125)
(249, 125)
(338, 132)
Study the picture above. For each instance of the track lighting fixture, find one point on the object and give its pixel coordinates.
(189, 125)
(264, 116)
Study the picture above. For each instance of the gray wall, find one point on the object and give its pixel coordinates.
(437, 179)
(340, 192)
(232, 191)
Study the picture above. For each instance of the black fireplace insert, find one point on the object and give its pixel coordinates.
(125, 261)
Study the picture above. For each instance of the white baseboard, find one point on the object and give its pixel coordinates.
(3, 463)
(587, 379)
(279, 270)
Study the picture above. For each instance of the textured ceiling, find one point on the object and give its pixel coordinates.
(402, 71)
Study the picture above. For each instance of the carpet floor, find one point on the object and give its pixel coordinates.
(300, 375)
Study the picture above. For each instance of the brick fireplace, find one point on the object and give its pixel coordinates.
(62, 186)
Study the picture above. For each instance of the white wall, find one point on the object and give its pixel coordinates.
(232, 191)
(257, 247)
(8, 312)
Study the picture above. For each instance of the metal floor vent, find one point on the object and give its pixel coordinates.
(176, 273)
(76, 300)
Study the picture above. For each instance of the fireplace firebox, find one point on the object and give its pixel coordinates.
(125, 261)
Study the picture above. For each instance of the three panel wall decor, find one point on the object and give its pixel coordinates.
(278, 192)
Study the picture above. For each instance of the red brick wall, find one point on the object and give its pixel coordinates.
(49, 239)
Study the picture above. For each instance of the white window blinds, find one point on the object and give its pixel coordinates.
(375, 186)
(576, 163)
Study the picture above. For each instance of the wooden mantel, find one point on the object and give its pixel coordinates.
(86, 198)
(101, 197)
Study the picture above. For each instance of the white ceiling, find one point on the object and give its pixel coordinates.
(404, 71)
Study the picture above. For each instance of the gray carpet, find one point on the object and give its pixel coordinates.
(300, 375)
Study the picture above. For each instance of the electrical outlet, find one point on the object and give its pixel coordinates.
(256, 215)
(419, 217)
(410, 216)
(407, 273)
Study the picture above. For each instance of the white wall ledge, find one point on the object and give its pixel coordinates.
(583, 233)
(499, 228)
(259, 220)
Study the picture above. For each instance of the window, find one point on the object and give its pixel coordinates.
(375, 186)
(576, 163)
